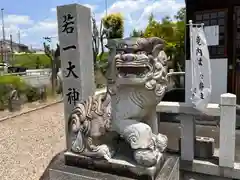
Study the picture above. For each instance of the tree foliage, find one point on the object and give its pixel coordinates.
(136, 33)
(32, 61)
(98, 35)
(180, 16)
(111, 27)
(173, 33)
(114, 23)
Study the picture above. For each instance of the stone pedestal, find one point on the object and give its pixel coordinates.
(204, 147)
(119, 165)
(58, 170)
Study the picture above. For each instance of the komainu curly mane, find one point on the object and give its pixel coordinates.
(89, 119)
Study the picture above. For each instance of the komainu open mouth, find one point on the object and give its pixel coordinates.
(137, 71)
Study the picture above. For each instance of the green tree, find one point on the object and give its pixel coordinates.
(180, 38)
(111, 27)
(180, 16)
(173, 33)
(98, 35)
(50, 53)
(114, 24)
(164, 29)
(38, 63)
(153, 28)
(136, 33)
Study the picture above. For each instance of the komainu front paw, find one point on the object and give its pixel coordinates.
(146, 157)
(104, 151)
(161, 142)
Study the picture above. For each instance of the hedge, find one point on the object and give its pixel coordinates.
(32, 61)
(10, 82)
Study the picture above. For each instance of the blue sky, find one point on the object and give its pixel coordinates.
(36, 19)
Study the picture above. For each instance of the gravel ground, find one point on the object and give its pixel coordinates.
(28, 143)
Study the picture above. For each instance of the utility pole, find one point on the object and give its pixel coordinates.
(106, 7)
(19, 37)
(3, 34)
(2, 51)
(11, 46)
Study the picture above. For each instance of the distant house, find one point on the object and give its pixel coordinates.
(16, 47)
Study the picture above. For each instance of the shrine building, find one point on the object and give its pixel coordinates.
(225, 54)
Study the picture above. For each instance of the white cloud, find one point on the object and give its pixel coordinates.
(92, 7)
(45, 26)
(136, 12)
(53, 9)
(31, 33)
(13, 24)
(17, 20)
(42, 29)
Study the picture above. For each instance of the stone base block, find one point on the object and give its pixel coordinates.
(204, 147)
(58, 170)
(118, 165)
(170, 169)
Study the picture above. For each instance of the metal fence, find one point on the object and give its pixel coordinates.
(37, 81)
(35, 77)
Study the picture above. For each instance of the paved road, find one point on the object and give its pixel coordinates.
(28, 143)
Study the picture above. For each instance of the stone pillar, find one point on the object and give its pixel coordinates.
(227, 130)
(111, 76)
(188, 134)
(75, 40)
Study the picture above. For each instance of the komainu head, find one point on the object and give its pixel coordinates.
(143, 59)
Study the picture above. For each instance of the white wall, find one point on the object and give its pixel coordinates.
(35, 72)
(219, 79)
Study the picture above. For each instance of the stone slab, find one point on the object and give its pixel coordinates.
(170, 169)
(197, 176)
(83, 175)
(58, 170)
(118, 165)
